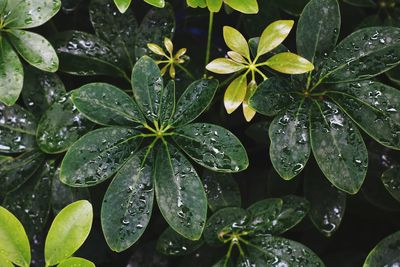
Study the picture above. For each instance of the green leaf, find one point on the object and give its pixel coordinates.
(212, 147)
(76, 262)
(98, 155)
(16, 171)
(328, 204)
(278, 251)
(68, 231)
(371, 103)
(30, 13)
(60, 126)
(221, 189)
(167, 108)
(119, 30)
(338, 147)
(85, 54)
(41, 89)
(235, 94)
(263, 215)
(196, 3)
(247, 7)
(214, 5)
(364, 54)
(173, 244)
(273, 96)
(318, 30)
(106, 104)
(155, 26)
(386, 253)
(122, 5)
(180, 194)
(147, 86)
(236, 42)
(223, 222)
(224, 66)
(156, 3)
(11, 73)
(5, 263)
(14, 243)
(35, 49)
(290, 145)
(391, 181)
(132, 192)
(17, 129)
(289, 63)
(274, 35)
(194, 101)
(31, 202)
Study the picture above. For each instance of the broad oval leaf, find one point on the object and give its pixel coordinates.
(338, 147)
(290, 142)
(212, 147)
(173, 244)
(76, 262)
(35, 49)
(17, 129)
(362, 55)
(289, 63)
(236, 41)
(180, 193)
(168, 105)
(391, 180)
(318, 30)
(98, 155)
(60, 126)
(263, 215)
(386, 253)
(106, 104)
(224, 66)
(132, 192)
(11, 73)
(274, 35)
(194, 101)
(147, 86)
(14, 243)
(68, 231)
(235, 94)
(247, 7)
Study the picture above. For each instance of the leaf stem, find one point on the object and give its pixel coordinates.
(210, 28)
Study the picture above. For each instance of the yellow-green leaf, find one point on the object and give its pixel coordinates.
(214, 5)
(235, 41)
(156, 49)
(236, 57)
(289, 63)
(235, 94)
(224, 66)
(274, 35)
(249, 112)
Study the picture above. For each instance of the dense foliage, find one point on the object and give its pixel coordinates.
(122, 142)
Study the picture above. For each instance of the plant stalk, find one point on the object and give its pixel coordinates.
(210, 29)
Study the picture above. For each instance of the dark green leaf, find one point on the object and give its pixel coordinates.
(172, 243)
(194, 101)
(167, 108)
(157, 24)
(363, 55)
(17, 129)
(318, 30)
(180, 193)
(212, 146)
(98, 155)
(132, 192)
(16, 171)
(391, 180)
(147, 86)
(69, 6)
(290, 146)
(60, 126)
(221, 189)
(386, 253)
(338, 147)
(264, 214)
(107, 105)
(375, 107)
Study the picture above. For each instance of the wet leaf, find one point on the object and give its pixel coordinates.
(263, 215)
(290, 142)
(68, 231)
(168, 105)
(173, 244)
(180, 194)
(107, 105)
(76, 262)
(35, 49)
(212, 147)
(391, 181)
(17, 129)
(98, 155)
(221, 189)
(128, 202)
(194, 101)
(60, 126)
(338, 147)
(274, 35)
(385, 253)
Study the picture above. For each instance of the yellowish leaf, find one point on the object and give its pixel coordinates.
(224, 66)
(236, 42)
(235, 93)
(289, 63)
(274, 35)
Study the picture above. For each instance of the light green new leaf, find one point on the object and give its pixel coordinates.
(4, 262)
(76, 262)
(235, 93)
(386, 253)
(14, 243)
(196, 3)
(289, 63)
(214, 5)
(35, 49)
(122, 5)
(246, 7)
(224, 66)
(156, 3)
(68, 231)
(236, 42)
(274, 35)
